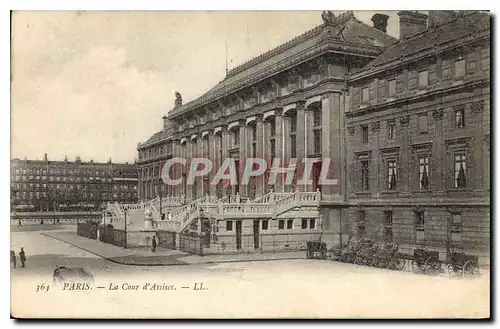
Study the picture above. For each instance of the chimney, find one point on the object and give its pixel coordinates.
(45, 157)
(380, 22)
(410, 23)
(438, 17)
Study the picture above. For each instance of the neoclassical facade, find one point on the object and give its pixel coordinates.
(403, 123)
(286, 103)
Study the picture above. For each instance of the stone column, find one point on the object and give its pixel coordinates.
(260, 153)
(279, 147)
(213, 158)
(242, 156)
(301, 141)
(286, 151)
(332, 135)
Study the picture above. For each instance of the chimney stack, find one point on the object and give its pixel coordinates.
(410, 23)
(438, 17)
(380, 22)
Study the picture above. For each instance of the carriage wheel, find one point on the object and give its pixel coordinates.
(415, 266)
(322, 254)
(309, 254)
(454, 270)
(470, 268)
(400, 264)
(432, 266)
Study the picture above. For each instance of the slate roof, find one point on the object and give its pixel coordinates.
(347, 29)
(157, 137)
(456, 28)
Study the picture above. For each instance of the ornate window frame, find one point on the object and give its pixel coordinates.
(453, 146)
(390, 154)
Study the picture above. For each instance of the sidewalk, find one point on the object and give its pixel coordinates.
(162, 257)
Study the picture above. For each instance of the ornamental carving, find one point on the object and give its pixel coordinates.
(437, 114)
(477, 107)
(351, 130)
(376, 126)
(405, 120)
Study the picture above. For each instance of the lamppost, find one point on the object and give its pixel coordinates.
(125, 215)
(158, 191)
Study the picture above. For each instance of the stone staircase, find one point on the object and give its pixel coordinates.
(180, 216)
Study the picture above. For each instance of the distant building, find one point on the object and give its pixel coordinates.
(45, 185)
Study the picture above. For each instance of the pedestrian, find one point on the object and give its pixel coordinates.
(153, 244)
(13, 258)
(20, 224)
(22, 257)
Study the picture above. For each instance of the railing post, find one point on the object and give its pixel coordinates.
(297, 196)
(318, 195)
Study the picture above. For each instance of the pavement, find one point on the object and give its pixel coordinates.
(162, 256)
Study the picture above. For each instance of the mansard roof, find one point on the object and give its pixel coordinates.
(346, 32)
(459, 28)
(159, 136)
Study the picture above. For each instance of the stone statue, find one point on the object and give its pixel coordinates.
(328, 17)
(178, 99)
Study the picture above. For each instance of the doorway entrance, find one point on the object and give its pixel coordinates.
(256, 234)
(238, 235)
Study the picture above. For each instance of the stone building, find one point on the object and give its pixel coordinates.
(286, 103)
(69, 186)
(405, 124)
(418, 122)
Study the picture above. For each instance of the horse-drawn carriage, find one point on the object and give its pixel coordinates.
(316, 249)
(461, 264)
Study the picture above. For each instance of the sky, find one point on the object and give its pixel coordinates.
(94, 84)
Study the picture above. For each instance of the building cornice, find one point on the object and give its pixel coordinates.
(328, 44)
(431, 50)
(403, 101)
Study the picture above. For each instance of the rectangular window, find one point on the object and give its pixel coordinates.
(388, 236)
(392, 87)
(391, 130)
(364, 134)
(423, 79)
(289, 224)
(236, 137)
(293, 146)
(317, 141)
(272, 127)
(419, 220)
(361, 231)
(388, 218)
(423, 163)
(229, 225)
(391, 174)
(304, 223)
(459, 118)
(459, 70)
(317, 118)
(460, 170)
(281, 224)
(422, 123)
(312, 223)
(265, 224)
(365, 175)
(293, 123)
(254, 132)
(365, 95)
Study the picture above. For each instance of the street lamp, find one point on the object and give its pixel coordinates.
(125, 241)
(158, 191)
